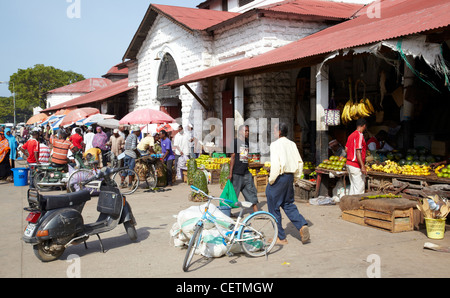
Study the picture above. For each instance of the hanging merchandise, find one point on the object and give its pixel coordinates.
(332, 114)
(354, 110)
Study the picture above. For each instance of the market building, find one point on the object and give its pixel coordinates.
(174, 42)
(405, 49)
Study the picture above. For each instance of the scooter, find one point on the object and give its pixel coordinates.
(55, 222)
(47, 176)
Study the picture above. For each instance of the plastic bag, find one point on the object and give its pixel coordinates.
(229, 194)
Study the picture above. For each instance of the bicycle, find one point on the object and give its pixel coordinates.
(257, 233)
(145, 167)
(92, 181)
(76, 179)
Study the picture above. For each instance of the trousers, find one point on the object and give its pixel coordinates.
(281, 195)
(357, 180)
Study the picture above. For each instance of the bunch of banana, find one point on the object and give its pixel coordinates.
(346, 112)
(365, 108)
(354, 111)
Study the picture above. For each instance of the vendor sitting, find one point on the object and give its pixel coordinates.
(145, 146)
(336, 148)
(378, 142)
(94, 156)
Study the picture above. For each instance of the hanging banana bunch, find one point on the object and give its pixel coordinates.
(354, 110)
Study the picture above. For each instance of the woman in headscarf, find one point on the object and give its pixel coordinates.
(13, 144)
(99, 141)
(5, 167)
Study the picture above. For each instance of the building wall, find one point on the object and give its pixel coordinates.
(54, 99)
(268, 95)
(191, 52)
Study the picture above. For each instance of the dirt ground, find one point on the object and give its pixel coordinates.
(337, 249)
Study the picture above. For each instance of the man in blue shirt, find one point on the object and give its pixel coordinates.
(168, 155)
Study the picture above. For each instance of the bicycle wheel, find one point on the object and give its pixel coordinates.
(259, 234)
(151, 179)
(40, 177)
(122, 180)
(193, 244)
(74, 183)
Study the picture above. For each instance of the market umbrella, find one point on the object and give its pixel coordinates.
(51, 119)
(146, 116)
(55, 125)
(78, 114)
(109, 123)
(37, 118)
(64, 112)
(166, 127)
(96, 118)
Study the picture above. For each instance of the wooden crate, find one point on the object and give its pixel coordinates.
(184, 174)
(215, 176)
(304, 190)
(397, 221)
(261, 183)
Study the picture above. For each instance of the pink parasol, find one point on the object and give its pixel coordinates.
(146, 116)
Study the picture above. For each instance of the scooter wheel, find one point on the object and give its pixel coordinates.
(43, 253)
(131, 230)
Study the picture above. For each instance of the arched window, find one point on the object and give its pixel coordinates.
(169, 98)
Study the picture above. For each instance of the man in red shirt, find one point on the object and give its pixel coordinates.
(77, 139)
(356, 157)
(31, 148)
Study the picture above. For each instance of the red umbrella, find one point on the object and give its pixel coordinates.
(78, 114)
(146, 116)
(165, 127)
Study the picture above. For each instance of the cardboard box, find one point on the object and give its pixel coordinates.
(440, 148)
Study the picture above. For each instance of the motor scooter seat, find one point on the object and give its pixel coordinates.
(65, 200)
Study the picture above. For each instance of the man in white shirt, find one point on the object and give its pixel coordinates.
(88, 137)
(286, 165)
(181, 150)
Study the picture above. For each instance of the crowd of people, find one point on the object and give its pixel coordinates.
(43, 145)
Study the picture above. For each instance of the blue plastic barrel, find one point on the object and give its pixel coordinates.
(20, 176)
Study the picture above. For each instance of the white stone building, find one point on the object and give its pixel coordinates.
(69, 92)
(174, 42)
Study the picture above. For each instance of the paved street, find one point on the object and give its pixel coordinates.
(338, 248)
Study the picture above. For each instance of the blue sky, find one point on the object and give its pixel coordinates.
(42, 32)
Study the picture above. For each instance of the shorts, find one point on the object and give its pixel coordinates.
(129, 163)
(244, 183)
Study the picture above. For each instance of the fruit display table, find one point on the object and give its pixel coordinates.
(341, 174)
(419, 186)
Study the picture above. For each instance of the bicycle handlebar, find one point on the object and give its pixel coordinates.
(225, 201)
(107, 172)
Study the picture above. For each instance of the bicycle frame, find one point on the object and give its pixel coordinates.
(236, 228)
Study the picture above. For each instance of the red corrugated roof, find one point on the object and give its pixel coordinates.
(85, 86)
(398, 18)
(315, 8)
(206, 19)
(98, 95)
(194, 18)
(115, 70)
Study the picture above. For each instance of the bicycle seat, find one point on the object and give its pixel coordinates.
(244, 204)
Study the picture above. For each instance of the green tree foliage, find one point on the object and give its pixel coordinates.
(32, 84)
(6, 110)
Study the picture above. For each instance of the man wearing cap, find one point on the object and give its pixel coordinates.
(116, 143)
(130, 154)
(88, 138)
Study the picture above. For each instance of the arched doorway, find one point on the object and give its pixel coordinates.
(169, 98)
